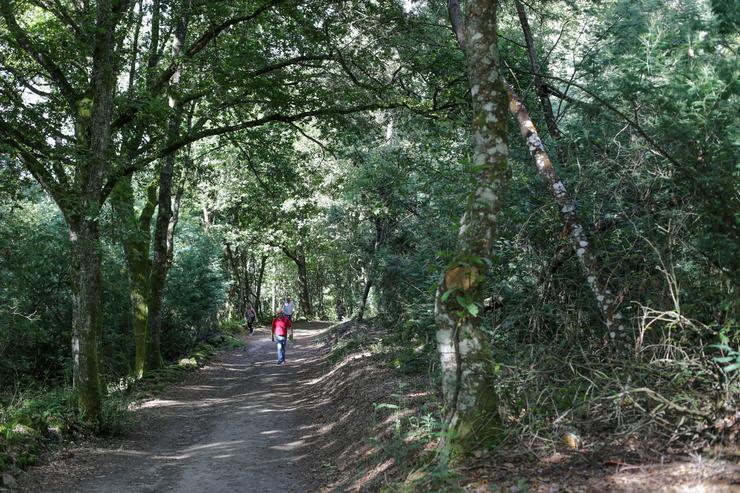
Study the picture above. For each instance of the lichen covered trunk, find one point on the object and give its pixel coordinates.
(605, 300)
(463, 349)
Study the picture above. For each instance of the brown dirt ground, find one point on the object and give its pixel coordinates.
(243, 424)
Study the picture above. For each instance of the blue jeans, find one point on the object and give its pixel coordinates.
(281, 342)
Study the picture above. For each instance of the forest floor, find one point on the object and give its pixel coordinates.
(331, 421)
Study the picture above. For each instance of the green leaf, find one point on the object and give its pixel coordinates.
(724, 359)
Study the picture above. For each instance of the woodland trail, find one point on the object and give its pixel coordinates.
(238, 424)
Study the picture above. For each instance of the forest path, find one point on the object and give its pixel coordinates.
(237, 424)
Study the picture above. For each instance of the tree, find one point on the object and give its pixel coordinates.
(605, 298)
(463, 349)
(86, 104)
(82, 108)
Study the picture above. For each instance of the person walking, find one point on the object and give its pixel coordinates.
(289, 308)
(340, 311)
(280, 327)
(250, 315)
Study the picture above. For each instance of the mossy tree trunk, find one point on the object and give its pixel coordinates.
(464, 351)
(166, 215)
(135, 239)
(86, 312)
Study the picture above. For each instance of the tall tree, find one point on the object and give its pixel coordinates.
(86, 104)
(463, 349)
(79, 105)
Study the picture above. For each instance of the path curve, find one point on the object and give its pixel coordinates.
(237, 424)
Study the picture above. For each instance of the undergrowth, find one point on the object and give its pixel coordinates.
(407, 424)
(550, 395)
(34, 420)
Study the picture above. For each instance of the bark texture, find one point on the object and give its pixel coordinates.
(166, 215)
(607, 303)
(86, 314)
(83, 223)
(135, 238)
(464, 352)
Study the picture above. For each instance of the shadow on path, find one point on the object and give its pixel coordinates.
(238, 424)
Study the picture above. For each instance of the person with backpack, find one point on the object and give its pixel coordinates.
(250, 315)
(280, 327)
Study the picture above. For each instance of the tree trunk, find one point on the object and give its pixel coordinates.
(303, 281)
(320, 293)
(135, 240)
(365, 294)
(235, 291)
(539, 82)
(166, 217)
(464, 353)
(300, 261)
(258, 288)
(604, 297)
(86, 313)
(95, 131)
(160, 262)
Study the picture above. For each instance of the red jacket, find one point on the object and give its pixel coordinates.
(280, 326)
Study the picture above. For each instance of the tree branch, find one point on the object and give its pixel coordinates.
(24, 149)
(56, 74)
(285, 63)
(201, 43)
(208, 36)
(456, 18)
(211, 132)
(611, 108)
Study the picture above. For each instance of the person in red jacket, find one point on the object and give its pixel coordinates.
(280, 327)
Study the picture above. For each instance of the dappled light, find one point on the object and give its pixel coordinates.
(356, 246)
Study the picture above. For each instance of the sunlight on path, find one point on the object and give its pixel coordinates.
(235, 425)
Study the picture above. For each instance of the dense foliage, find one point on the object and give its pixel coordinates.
(322, 151)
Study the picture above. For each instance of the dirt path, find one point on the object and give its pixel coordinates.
(238, 424)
